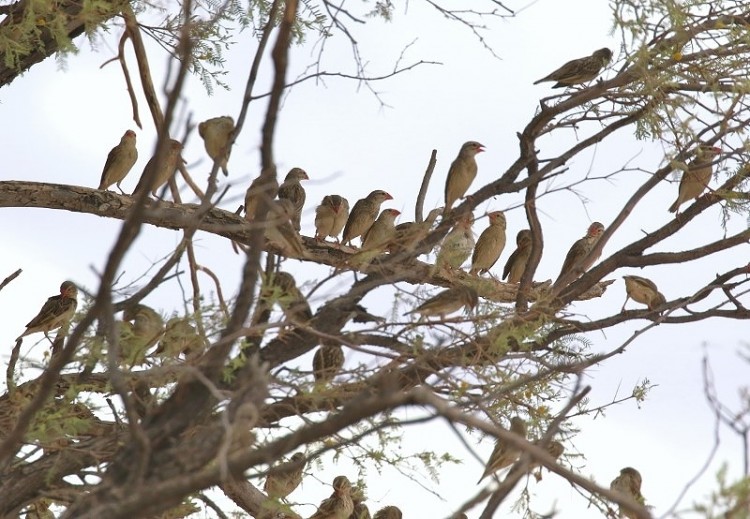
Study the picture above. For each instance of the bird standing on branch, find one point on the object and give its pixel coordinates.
(327, 361)
(695, 180)
(265, 186)
(581, 249)
(448, 301)
(120, 161)
(579, 70)
(157, 173)
(489, 245)
(330, 217)
(462, 173)
(340, 504)
(457, 245)
(57, 311)
(279, 484)
(363, 215)
(389, 512)
(628, 483)
(382, 232)
(504, 454)
(644, 291)
(516, 264)
(216, 134)
(292, 190)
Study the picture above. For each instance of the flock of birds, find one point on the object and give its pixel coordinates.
(379, 233)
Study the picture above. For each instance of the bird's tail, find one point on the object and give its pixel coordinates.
(673, 208)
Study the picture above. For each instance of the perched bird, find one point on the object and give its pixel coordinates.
(292, 190)
(410, 234)
(120, 161)
(516, 264)
(389, 512)
(180, 338)
(489, 245)
(381, 233)
(57, 311)
(327, 361)
(554, 449)
(695, 180)
(216, 134)
(457, 245)
(628, 483)
(280, 231)
(581, 249)
(579, 70)
(290, 298)
(147, 327)
(462, 172)
(504, 455)
(330, 217)
(265, 185)
(448, 301)
(360, 511)
(279, 484)
(340, 504)
(363, 215)
(156, 175)
(642, 291)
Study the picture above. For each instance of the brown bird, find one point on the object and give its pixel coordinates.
(292, 190)
(389, 512)
(410, 234)
(381, 233)
(280, 484)
(147, 327)
(264, 186)
(695, 180)
(504, 455)
(57, 311)
(120, 161)
(330, 217)
(363, 215)
(156, 174)
(180, 338)
(462, 172)
(457, 245)
(644, 291)
(216, 134)
(554, 449)
(327, 362)
(289, 297)
(579, 70)
(360, 511)
(489, 245)
(628, 483)
(280, 231)
(581, 249)
(448, 301)
(516, 264)
(340, 504)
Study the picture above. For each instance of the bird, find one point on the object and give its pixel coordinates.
(280, 231)
(327, 361)
(289, 297)
(516, 264)
(580, 250)
(216, 134)
(504, 455)
(57, 311)
(330, 217)
(156, 174)
(340, 504)
(360, 511)
(695, 180)
(180, 338)
(120, 161)
(462, 172)
(381, 232)
(457, 245)
(554, 448)
(579, 70)
(279, 484)
(642, 290)
(146, 329)
(264, 186)
(292, 190)
(489, 245)
(448, 301)
(363, 215)
(389, 512)
(359, 314)
(410, 234)
(628, 483)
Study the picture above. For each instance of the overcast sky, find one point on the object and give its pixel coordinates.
(60, 123)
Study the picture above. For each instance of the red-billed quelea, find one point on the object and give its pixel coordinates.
(381, 233)
(462, 173)
(360, 508)
(280, 484)
(516, 264)
(57, 311)
(410, 234)
(120, 161)
(292, 190)
(457, 245)
(155, 175)
(280, 231)
(330, 217)
(327, 361)
(363, 215)
(180, 338)
(340, 504)
(554, 448)
(265, 186)
(290, 298)
(580, 249)
(146, 329)
(695, 180)
(448, 301)
(644, 291)
(216, 134)
(489, 245)
(504, 454)
(389, 512)
(628, 483)
(579, 70)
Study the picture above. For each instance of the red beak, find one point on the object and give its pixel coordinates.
(388, 197)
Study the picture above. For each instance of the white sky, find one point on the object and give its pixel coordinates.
(60, 125)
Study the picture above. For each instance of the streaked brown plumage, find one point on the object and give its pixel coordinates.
(120, 161)
(216, 134)
(264, 186)
(340, 504)
(579, 70)
(489, 245)
(292, 190)
(448, 301)
(695, 180)
(381, 233)
(644, 291)
(147, 327)
(363, 215)
(462, 172)
(57, 311)
(289, 297)
(159, 174)
(628, 483)
(281, 232)
(360, 511)
(516, 264)
(410, 234)
(554, 449)
(279, 485)
(389, 512)
(330, 217)
(580, 250)
(180, 337)
(504, 455)
(327, 361)
(457, 245)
